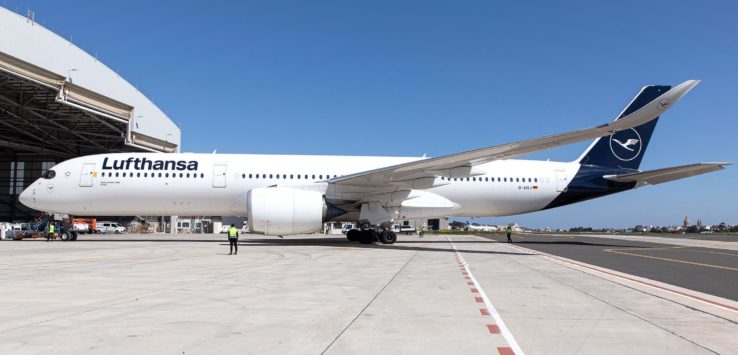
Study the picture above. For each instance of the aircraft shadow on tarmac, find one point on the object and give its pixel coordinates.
(328, 242)
(399, 245)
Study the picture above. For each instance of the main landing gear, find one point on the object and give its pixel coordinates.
(369, 236)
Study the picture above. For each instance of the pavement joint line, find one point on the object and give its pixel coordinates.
(620, 251)
(369, 304)
(610, 273)
(504, 330)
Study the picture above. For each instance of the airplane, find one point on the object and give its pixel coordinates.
(477, 228)
(295, 194)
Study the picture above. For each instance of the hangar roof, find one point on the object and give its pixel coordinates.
(57, 100)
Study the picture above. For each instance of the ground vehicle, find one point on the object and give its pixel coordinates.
(407, 229)
(347, 227)
(110, 227)
(81, 228)
(90, 222)
(224, 228)
(62, 230)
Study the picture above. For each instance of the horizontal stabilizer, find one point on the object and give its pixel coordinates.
(653, 177)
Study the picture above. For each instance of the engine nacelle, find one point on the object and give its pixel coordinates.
(284, 210)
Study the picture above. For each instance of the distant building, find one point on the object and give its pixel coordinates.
(686, 223)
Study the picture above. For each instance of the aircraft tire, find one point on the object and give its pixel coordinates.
(353, 235)
(367, 236)
(388, 237)
(65, 236)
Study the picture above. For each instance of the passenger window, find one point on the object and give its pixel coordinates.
(486, 179)
(202, 175)
(284, 176)
(313, 176)
(474, 179)
(166, 175)
(277, 176)
(270, 176)
(505, 179)
(292, 176)
(536, 179)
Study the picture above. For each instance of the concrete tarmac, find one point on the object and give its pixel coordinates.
(312, 294)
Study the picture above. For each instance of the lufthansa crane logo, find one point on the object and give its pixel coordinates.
(626, 145)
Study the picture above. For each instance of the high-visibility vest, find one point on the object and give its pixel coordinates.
(51, 228)
(509, 229)
(232, 232)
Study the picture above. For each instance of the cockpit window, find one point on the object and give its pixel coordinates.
(49, 174)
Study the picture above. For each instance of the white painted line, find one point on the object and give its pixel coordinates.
(492, 310)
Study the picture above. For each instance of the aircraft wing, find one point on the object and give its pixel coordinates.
(461, 164)
(658, 176)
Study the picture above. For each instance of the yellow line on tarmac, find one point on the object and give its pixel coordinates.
(620, 251)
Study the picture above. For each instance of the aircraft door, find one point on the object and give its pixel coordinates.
(85, 177)
(219, 175)
(561, 182)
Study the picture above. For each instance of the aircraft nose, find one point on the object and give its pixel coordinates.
(26, 197)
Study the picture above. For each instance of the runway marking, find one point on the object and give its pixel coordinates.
(478, 299)
(500, 324)
(603, 270)
(493, 329)
(484, 311)
(620, 251)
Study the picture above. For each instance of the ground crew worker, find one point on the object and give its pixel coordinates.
(509, 232)
(420, 231)
(233, 238)
(50, 234)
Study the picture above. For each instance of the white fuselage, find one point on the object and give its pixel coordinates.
(216, 184)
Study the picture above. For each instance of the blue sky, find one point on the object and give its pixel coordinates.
(414, 77)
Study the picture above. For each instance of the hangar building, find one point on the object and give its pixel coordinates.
(58, 102)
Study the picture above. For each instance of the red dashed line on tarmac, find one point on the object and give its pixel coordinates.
(485, 312)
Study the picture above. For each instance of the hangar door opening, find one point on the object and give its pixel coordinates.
(85, 177)
(219, 175)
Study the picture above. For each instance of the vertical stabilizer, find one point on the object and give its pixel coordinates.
(625, 149)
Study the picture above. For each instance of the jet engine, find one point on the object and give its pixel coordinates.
(284, 210)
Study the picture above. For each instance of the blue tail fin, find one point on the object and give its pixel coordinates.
(625, 149)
